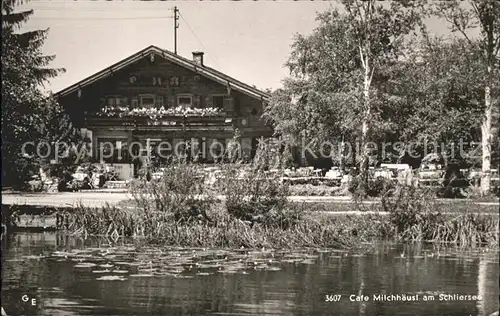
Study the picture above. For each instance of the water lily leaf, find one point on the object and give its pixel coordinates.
(111, 278)
(32, 257)
(85, 265)
(204, 273)
(273, 269)
(141, 275)
(106, 266)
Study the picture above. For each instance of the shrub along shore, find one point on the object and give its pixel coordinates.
(256, 214)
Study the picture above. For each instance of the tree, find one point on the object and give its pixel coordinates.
(485, 15)
(337, 72)
(26, 110)
(435, 95)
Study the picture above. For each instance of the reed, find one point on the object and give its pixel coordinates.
(180, 210)
(416, 215)
(224, 231)
(313, 230)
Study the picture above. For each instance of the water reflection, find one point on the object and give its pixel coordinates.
(71, 276)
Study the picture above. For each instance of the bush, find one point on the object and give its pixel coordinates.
(415, 216)
(409, 207)
(180, 192)
(257, 196)
(35, 186)
(374, 187)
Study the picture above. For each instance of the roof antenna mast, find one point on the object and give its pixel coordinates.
(176, 26)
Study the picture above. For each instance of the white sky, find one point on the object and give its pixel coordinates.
(249, 40)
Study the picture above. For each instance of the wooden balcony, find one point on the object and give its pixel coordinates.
(165, 122)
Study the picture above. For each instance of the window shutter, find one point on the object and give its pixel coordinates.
(124, 101)
(196, 101)
(209, 101)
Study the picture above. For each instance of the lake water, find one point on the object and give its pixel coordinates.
(70, 276)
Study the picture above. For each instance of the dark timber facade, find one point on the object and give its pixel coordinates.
(199, 105)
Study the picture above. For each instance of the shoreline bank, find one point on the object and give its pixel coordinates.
(99, 199)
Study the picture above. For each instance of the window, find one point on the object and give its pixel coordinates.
(147, 100)
(217, 148)
(199, 149)
(121, 101)
(111, 101)
(112, 150)
(157, 81)
(185, 101)
(135, 102)
(116, 101)
(159, 101)
(174, 81)
(218, 101)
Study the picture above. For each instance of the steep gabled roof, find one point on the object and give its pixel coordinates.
(205, 71)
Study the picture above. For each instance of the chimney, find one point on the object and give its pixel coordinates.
(198, 58)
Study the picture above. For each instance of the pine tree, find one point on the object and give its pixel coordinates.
(24, 72)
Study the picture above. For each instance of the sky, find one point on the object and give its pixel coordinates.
(248, 40)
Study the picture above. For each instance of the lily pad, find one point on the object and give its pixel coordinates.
(273, 269)
(141, 275)
(106, 266)
(227, 271)
(85, 265)
(32, 257)
(204, 273)
(208, 266)
(261, 267)
(62, 254)
(111, 278)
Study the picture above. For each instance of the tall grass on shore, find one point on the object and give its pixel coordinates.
(181, 192)
(415, 215)
(313, 230)
(179, 209)
(226, 231)
(256, 196)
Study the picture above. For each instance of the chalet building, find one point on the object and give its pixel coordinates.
(156, 96)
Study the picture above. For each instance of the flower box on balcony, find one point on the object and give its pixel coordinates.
(158, 113)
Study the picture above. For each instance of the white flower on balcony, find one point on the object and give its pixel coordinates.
(155, 113)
